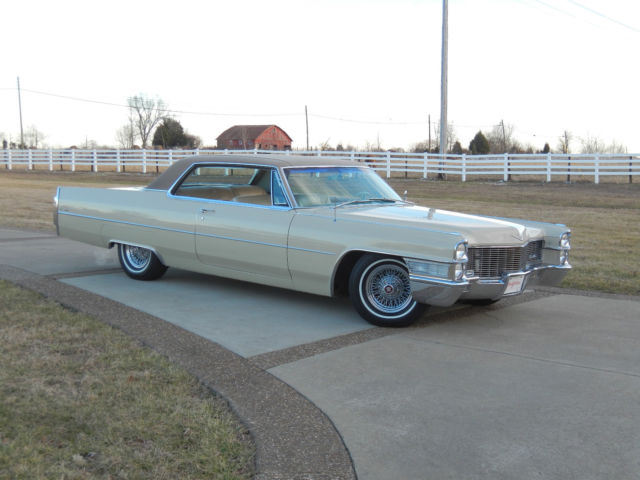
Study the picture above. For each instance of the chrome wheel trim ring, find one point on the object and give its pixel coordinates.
(138, 258)
(387, 288)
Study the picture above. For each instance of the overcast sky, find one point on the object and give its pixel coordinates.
(368, 70)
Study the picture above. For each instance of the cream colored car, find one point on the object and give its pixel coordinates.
(314, 225)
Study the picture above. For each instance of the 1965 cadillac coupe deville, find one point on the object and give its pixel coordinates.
(317, 225)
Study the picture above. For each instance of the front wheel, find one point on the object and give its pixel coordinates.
(140, 263)
(380, 290)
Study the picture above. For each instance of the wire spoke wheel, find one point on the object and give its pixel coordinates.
(140, 263)
(380, 290)
(138, 258)
(388, 288)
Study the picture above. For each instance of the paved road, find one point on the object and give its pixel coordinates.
(543, 386)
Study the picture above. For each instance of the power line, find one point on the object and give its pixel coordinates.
(365, 122)
(590, 10)
(606, 17)
(182, 112)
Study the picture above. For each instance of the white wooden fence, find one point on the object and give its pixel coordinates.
(390, 164)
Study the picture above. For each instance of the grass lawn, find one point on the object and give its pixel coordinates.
(80, 399)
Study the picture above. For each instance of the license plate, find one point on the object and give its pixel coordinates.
(514, 284)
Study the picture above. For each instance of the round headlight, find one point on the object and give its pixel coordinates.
(461, 252)
(565, 241)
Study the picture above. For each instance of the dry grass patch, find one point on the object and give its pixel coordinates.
(79, 399)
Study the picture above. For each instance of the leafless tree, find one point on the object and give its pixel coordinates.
(420, 147)
(596, 145)
(592, 145)
(616, 147)
(33, 137)
(126, 136)
(501, 139)
(146, 113)
(564, 142)
(325, 146)
(452, 137)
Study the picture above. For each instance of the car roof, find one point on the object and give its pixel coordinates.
(166, 179)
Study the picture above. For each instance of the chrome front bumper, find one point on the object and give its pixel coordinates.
(444, 293)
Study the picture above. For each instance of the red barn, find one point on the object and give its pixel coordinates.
(262, 137)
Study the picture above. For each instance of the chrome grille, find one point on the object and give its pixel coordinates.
(493, 262)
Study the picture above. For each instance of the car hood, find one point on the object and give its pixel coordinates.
(478, 230)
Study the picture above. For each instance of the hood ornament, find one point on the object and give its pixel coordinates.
(519, 235)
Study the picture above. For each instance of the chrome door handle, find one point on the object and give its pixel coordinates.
(203, 212)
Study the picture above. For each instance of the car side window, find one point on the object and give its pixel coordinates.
(226, 183)
(277, 191)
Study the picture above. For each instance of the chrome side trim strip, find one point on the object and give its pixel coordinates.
(124, 222)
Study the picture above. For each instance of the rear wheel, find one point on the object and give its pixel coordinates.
(380, 290)
(140, 263)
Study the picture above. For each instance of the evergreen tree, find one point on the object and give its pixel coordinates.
(169, 134)
(479, 145)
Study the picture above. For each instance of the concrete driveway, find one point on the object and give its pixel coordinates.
(543, 386)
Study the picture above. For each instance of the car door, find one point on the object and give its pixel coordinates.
(238, 228)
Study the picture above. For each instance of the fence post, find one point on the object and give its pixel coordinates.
(95, 161)
(73, 160)
(50, 160)
(506, 176)
(596, 177)
(30, 157)
(630, 169)
(464, 167)
(388, 164)
(548, 167)
(118, 160)
(425, 166)
(9, 161)
(569, 169)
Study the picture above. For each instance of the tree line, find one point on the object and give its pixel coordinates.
(150, 123)
(501, 139)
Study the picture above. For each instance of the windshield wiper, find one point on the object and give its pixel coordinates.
(370, 200)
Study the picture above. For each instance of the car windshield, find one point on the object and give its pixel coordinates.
(318, 186)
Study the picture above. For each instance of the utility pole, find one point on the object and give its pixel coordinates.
(306, 117)
(504, 137)
(20, 107)
(443, 83)
(429, 147)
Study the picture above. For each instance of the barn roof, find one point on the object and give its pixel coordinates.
(246, 132)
